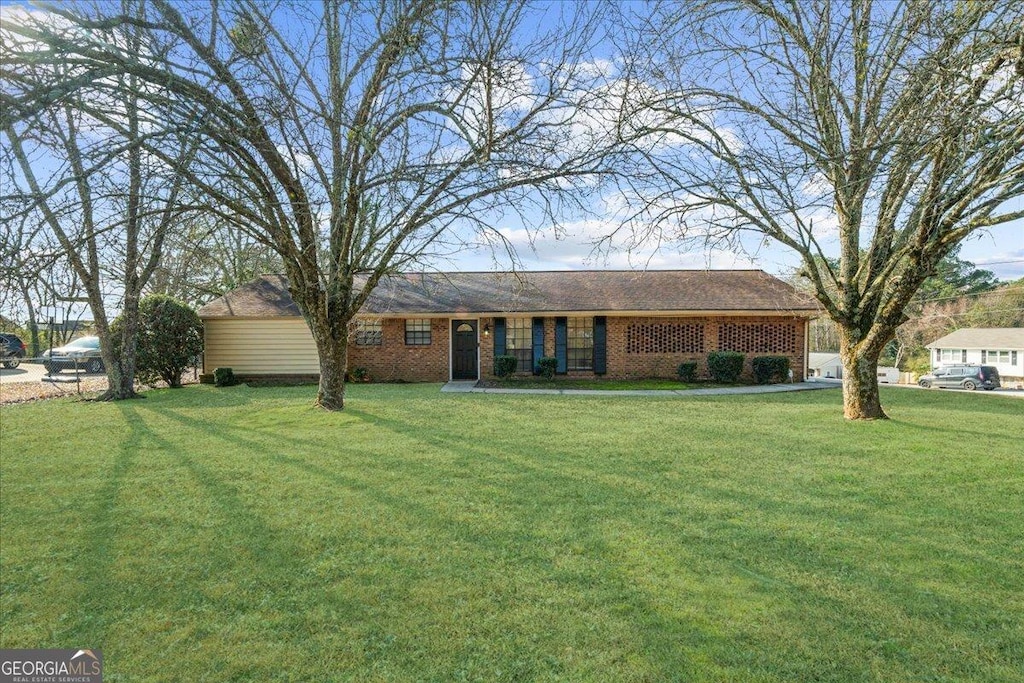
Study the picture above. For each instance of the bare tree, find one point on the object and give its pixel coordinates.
(352, 136)
(205, 257)
(23, 262)
(883, 133)
(102, 199)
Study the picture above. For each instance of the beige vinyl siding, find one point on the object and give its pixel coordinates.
(264, 346)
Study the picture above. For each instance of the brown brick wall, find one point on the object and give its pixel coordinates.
(393, 360)
(486, 347)
(776, 332)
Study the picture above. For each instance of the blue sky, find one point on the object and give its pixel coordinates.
(1000, 249)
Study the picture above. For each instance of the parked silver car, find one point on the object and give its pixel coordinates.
(82, 353)
(968, 377)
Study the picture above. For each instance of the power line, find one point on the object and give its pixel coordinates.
(988, 292)
(980, 314)
(1000, 263)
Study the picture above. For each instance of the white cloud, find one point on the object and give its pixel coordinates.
(598, 68)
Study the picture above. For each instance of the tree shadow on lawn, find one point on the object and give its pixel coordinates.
(956, 403)
(669, 642)
(844, 584)
(702, 555)
(233, 566)
(960, 435)
(92, 611)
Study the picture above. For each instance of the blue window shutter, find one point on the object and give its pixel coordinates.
(538, 343)
(499, 336)
(984, 353)
(562, 344)
(963, 355)
(1013, 357)
(600, 345)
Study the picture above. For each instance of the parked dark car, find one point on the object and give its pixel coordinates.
(968, 377)
(85, 352)
(12, 350)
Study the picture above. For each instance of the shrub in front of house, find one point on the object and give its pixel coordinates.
(224, 377)
(504, 366)
(169, 339)
(687, 371)
(725, 366)
(548, 365)
(770, 369)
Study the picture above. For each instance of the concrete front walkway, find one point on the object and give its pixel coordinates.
(470, 387)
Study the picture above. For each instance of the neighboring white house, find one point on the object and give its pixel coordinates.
(1002, 347)
(825, 364)
(888, 374)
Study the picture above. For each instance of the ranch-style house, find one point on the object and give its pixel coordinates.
(433, 327)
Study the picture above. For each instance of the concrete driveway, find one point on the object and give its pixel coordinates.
(32, 372)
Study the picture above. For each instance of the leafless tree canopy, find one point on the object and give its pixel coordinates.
(352, 136)
(355, 138)
(83, 189)
(881, 132)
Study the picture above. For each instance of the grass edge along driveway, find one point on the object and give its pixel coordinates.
(240, 534)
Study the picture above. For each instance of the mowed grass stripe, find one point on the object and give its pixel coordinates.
(240, 534)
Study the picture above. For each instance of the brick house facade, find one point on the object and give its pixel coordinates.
(613, 324)
(393, 360)
(646, 346)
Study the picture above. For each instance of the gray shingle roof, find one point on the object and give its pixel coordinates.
(982, 338)
(540, 292)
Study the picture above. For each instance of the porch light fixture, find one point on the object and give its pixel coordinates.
(487, 330)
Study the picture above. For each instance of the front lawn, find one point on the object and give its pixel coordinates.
(239, 534)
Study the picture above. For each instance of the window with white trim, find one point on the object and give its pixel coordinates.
(996, 357)
(952, 356)
(580, 347)
(417, 332)
(519, 342)
(369, 333)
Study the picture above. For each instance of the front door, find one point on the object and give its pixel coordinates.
(464, 349)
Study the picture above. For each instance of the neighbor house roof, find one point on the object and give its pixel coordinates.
(540, 292)
(982, 338)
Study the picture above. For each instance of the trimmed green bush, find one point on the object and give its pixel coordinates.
(725, 366)
(360, 374)
(504, 366)
(224, 377)
(169, 339)
(548, 366)
(770, 369)
(687, 372)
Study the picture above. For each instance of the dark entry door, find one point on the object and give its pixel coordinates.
(464, 349)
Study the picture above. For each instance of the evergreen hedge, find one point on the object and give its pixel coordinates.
(725, 366)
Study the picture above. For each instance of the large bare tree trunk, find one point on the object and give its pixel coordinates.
(332, 348)
(119, 365)
(860, 380)
(121, 373)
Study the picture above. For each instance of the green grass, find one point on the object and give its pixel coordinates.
(239, 534)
